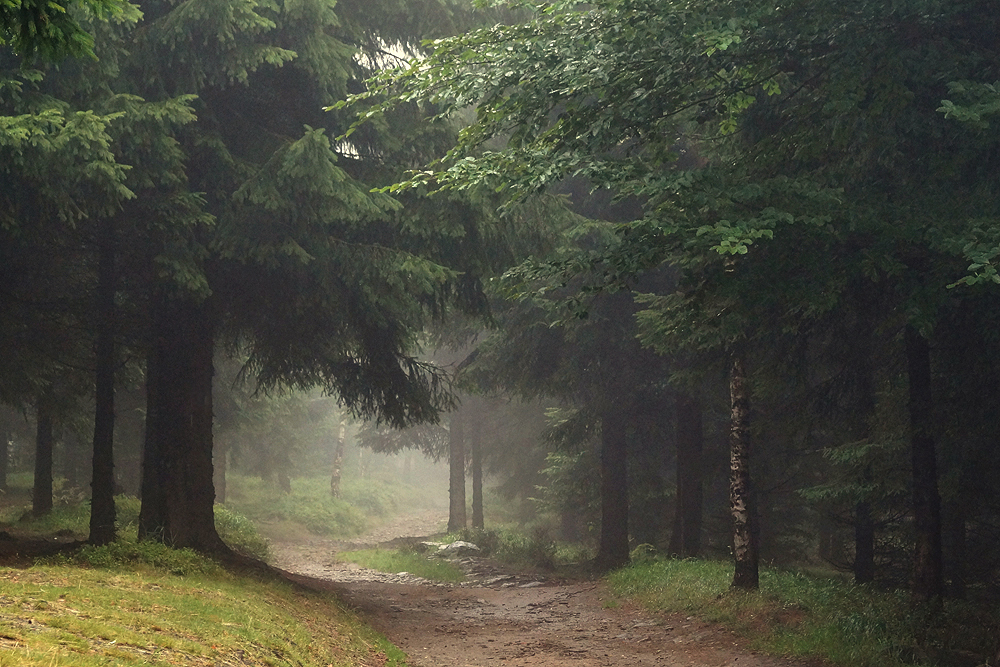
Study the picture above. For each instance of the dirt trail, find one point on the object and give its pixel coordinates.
(508, 619)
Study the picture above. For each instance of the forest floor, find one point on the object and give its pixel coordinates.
(503, 618)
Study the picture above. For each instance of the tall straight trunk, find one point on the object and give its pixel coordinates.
(613, 550)
(220, 455)
(928, 581)
(746, 575)
(41, 495)
(338, 460)
(102, 481)
(177, 468)
(152, 511)
(4, 458)
(476, 443)
(685, 540)
(456, 466)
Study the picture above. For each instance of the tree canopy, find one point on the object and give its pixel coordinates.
(787, 155)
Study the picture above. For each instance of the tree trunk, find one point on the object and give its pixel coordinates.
(613, 550)
(685, 540)
(746, 575)
(41, 496)
(456, 465)
(177, 466)
(220, 455)
(4, 458)
(477, 474)
(338, 460)
(102, 481)
(928, 582)
(284, 482)
(152, 511)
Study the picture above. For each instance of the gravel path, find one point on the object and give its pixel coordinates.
(508, 619)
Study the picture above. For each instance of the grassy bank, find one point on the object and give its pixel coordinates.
(145, 604)
(131, 604)
(825, 617)
(74, 521)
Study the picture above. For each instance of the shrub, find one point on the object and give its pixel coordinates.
(537, 550)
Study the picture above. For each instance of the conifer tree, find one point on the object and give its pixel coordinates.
(816, 124)
(311, 277)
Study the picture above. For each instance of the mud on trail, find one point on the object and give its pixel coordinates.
(508, 619)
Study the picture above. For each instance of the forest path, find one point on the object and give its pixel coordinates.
(508, 619)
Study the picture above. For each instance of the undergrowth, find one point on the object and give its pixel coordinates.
(536, 550)
(238, 532)
(825, 617)
(308, 505)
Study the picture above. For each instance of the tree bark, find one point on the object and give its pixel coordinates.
(613, 550)
(220, 455)
(685, 540)
(41, 496)
(456, 465)
(476, 443)
(927, 582)
(102, 481)
(338, 460)
(4, 458)
(152, 511)
(177, 466)
(746, 575)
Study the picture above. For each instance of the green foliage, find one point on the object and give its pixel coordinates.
(51, 29)
(537, 550)
(240, 533)
(237, 531)
(812, 616)
(127, 554)
(309, 504)
(572, 484)
(377, 498)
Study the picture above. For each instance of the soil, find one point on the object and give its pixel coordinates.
(500, 618)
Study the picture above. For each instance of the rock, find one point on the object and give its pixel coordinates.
(458, 549)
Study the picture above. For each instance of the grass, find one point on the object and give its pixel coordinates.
(150, 605)
(307, 505)
(534, 551)
(131, 603)
(235, 529)
(392, 560)
(810, 616)
(363, 503)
